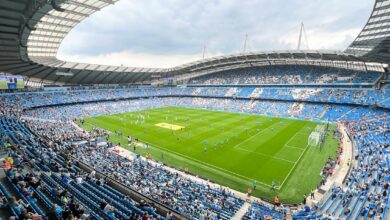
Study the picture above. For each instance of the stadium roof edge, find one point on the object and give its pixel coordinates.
(373, 42)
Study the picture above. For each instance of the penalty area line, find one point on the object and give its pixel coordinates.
(292, 169)
(210, 166)
(265, 155)
(300, 157)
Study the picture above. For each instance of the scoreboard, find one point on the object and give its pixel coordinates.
(11, 82)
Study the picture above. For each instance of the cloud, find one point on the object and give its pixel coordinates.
(321, 40)
(128, 58)
(169, 31)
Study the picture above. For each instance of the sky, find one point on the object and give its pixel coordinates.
(168, 33)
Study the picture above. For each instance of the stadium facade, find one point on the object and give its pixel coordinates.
(32, 31)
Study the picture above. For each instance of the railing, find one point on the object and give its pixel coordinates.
(354, 151)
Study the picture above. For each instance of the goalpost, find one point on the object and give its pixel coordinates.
(317, 136)
(314, 139)
(320, 129)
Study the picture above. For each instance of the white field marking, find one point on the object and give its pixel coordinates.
(239, 175)
(299, 159)
(299, 133)
(266, 155)
(298, 148)
(295, 163)
(289, 173)
(292, 138)
(235, 146)
(273, 157)
(209, 165)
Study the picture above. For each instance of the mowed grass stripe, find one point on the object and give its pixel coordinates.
(232, 125)
(210, 166)
(270, 147)
(196, 149)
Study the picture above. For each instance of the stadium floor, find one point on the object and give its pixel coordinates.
(233, 149)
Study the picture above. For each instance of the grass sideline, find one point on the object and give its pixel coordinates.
(240, 148)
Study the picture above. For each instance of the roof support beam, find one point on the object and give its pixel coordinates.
(56, 6)
(77, 13)
(46, 35)
(76, 74)
(58, 18)
(13, 62)
(48, 74)
(55, 24)
(43, 68)
(108, 74)
(139, 77)
(86, 76)
(113, 79)
(34, 73)
(58, 77)
(14, 66)
(41, 47)
(126, 80)
(101, 81)
(99, 73)
(43, 42)
(24, 69)
(51, 30)
(123, 77)
(146, 76)
(108, 1)
(83, 5)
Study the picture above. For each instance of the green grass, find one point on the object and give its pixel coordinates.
(241, 148)
(3, 84)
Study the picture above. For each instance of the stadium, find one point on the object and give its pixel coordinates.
(286, 134)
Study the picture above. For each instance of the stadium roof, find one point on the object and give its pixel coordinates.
(31, 32)
(373, 42)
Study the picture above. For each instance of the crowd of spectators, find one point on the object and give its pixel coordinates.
(364, 193)
(375, 125)
(286, 74)
(15, 102)
(181, 194)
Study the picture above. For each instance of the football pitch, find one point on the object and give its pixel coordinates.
(235, 150)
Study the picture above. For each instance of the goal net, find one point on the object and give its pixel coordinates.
(317, 136)
(314, 138)
(320, 129)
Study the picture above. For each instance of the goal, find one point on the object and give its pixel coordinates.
(320, 129)
(317, 136)
(314, 138)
